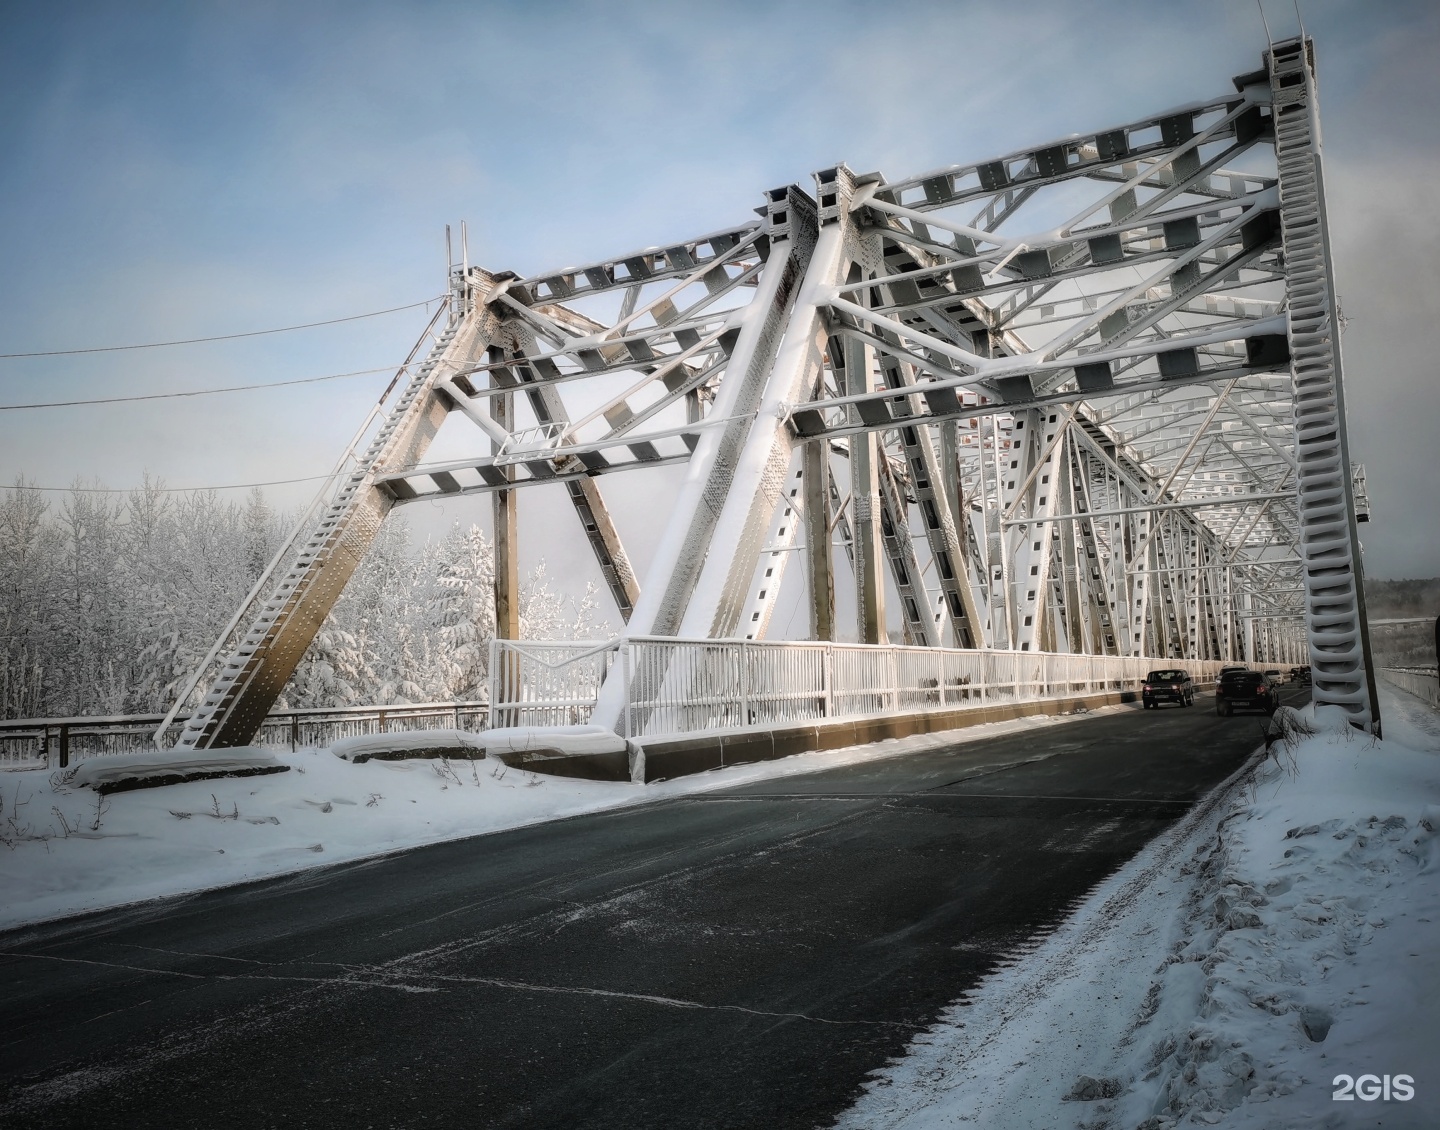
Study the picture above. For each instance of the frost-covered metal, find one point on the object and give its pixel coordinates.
(1084, 397)
(1329, 545)
(264, 642)
(680, 686)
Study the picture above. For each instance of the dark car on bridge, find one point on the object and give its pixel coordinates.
(1170, 685)
(1245, 690)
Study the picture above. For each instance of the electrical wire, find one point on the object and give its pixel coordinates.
(219, 337)
(198, 391)
(164, 490)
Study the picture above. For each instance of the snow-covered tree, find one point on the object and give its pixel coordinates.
(110, 605)
(465, 579)
(30, 551)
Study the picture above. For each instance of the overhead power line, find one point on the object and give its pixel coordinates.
(197, 391)
(219, 337)
(165, 490)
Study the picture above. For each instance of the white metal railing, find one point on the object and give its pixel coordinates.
(675, 686)
(1419, 681)
(672, 687)
(546, 683)
(29, 743)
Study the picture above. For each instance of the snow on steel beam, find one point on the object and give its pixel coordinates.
(718, 455)
(716, 601)
(1344, 674)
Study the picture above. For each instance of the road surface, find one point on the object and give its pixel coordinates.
(736, 959)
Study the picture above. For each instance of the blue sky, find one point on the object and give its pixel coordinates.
(179, 170)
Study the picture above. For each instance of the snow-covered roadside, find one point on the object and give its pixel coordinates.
(67, 851)
(1285, 936)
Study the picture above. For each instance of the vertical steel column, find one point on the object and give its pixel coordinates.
(1195, 629)
(1074, 607)
(506, 581)
(507, 557)
(865, 456)
(1028, 490)
(815, 480)
(1096, 564)
(1002, 611)
(922, 626)
(937, 517)
(1343, 674)
(950, 477)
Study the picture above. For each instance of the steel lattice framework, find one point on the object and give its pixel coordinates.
(1084, 397)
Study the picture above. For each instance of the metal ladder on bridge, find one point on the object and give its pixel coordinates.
(265, 621)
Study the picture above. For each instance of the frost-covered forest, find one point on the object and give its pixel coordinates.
(110, 601)
(1403, 645)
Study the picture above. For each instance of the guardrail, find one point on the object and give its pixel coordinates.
(1419, 681)
(670, 687)
(547, 683)
(685, 686)
(30, 743)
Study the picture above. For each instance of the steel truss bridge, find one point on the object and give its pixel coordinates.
(1084, 397)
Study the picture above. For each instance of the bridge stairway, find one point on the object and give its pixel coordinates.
(250, 679)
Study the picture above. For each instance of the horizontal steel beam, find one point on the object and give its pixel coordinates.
(647, 265)
(1198, 504)
(940, 406)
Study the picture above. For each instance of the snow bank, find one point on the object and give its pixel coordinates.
(556, 739)
(1311, 949)
(437, 743)
(565, 740)
(168, 767)
(1230, 973)
(72, 850)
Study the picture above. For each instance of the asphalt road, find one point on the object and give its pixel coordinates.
(738, 959)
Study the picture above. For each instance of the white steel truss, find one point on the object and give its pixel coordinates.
(1084, 397)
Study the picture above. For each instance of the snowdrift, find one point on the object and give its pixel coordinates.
(538, 742)
(115, 774)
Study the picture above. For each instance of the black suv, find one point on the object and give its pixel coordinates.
(1245, 690)
(1171, 685)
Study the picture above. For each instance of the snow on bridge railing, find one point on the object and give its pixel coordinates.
(547, 682)
(31, 743)
(1419, 681)
(677, 686)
